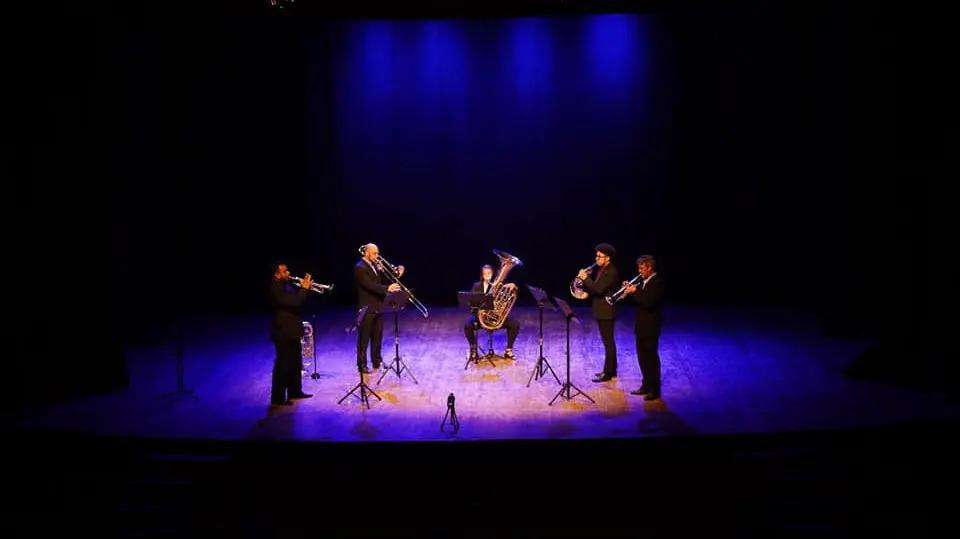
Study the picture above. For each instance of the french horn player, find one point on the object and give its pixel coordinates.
(597, 284)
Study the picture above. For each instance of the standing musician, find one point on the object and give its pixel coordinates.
(648, 297)
(286, 329)
(372, 284)
(604, 280)
(485, 285)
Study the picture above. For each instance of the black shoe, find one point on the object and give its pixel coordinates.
(364, 370)
(376, 366)
(604, 378)
(640, 391)
(508, 354)
(301, 396)
(652, 396)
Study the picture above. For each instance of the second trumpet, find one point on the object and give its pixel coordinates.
(620, 294)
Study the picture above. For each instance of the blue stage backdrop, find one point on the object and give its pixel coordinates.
(747, 149)
(453, 137)
(772, 153)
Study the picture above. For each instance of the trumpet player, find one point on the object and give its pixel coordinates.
(603, 280)
(647, 297)
(372, 285)
(286, 329)
(485, 285)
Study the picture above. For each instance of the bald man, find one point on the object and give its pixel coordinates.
(372, 284)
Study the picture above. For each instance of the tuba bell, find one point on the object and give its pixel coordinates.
(504, 295)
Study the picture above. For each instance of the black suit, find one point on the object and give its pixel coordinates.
(605, 281)
(371, 286)
(513, 328)
(286, 328)
(647, 328)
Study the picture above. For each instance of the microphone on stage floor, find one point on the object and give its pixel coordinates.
(451, 415)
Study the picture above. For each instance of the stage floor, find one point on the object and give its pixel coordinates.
(724, 371)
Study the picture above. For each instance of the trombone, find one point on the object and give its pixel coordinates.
(314, 287)
(391, 271)
(620, 294)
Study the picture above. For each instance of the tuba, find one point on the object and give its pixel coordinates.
(504, 295)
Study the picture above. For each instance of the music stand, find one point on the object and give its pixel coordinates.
(395, 302)
(362, 386)
(542, 365)
(181, 393)
(484, 304)
(567, 386)
(476, 301)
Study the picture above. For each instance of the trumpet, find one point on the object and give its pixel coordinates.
(394, 275)
(620, 294)
(576, 289)
(314, 287)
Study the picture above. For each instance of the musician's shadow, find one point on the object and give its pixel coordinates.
(658, 419)
(277, 422)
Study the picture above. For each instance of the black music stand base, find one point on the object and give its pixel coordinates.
(364, 389)
(476, 301)
(479, 357)
(567, 386)
(541, 367)
(476, 360)
(397, 365)
(540, 370)
(180, 394)
(488, 353)
(566, 394)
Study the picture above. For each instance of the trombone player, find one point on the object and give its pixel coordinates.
(603, 281)
(372, 285)
(485, 285)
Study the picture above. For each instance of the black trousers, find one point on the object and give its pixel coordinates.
(609, 346)
(371, 332)
(512, 326)
(286, 370)
(648, 357)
